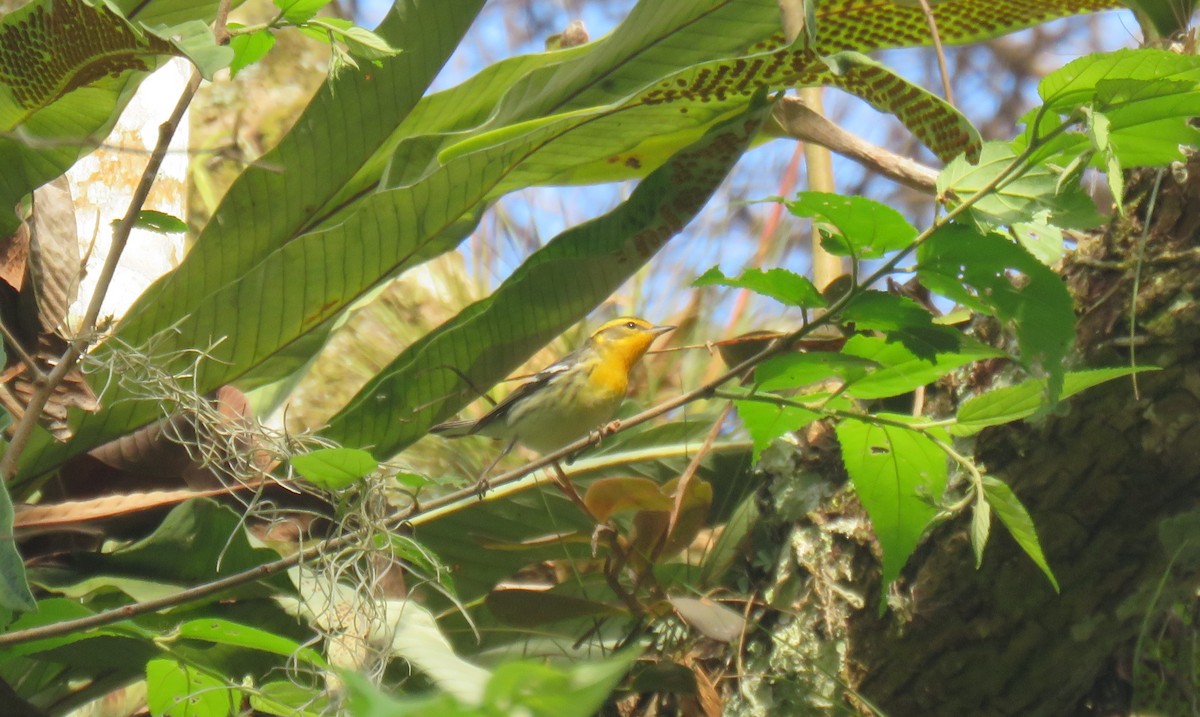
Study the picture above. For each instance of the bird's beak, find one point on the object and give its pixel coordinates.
(660, 330)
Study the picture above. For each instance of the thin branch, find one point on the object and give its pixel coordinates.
(797, 120)
(937, 48)
(468, 495)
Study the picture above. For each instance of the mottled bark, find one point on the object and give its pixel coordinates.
(1112, 483)
(1103, 483)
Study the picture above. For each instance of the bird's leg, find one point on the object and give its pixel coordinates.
(481, 485)
(597, 435)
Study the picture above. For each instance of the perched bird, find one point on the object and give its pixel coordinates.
(580, 392)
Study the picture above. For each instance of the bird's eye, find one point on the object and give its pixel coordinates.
(630, 325)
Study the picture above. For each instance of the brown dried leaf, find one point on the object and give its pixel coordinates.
(55, 263)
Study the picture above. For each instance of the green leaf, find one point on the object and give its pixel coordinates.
(225, 632)
(1014, 517)
(160, 222)
(865, 229)
(1147, 97)
(14, 589)
(897, 474)
(900, 370)
(1044, 241)
(577, 691)
(981, 525)
(334, 468)
(902, 320)
(354, 118)
(249, 49)
(359, 41)
(767, 421)
(804, 369)
(195, 41)
(300, 11)
(993, 275)
(782, 285)
(174, 689)
(55, 610)
(1037, 189)
(287, 699)
(1014, 403)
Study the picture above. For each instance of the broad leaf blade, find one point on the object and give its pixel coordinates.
(897, 474)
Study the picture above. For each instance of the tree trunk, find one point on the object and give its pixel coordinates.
(1112, 485)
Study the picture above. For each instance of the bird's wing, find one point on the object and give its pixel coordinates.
(500, 411)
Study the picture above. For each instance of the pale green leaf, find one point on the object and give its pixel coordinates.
(780, 284)
(1014, 403)
(334, 468)
(863, 228)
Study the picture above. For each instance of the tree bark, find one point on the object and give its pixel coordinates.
(1112, 484)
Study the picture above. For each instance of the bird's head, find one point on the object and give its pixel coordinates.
(627, 338)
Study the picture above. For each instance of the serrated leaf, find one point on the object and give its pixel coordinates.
(902, 320)
(1044, 241)
(249, 49)
(1037, 189)
(159, 222)
(804, 369)
(767, 421)
(1016, 519)
(865, 229)
(300, 11)
(334, 468)
(900, 370)
(1014, 403)
(993, 275)
(981, 525)
(359, 41)
(782, 285)
(897, 474)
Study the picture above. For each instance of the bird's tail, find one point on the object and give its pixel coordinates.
(453, 429)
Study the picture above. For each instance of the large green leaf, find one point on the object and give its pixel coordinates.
(553, 289)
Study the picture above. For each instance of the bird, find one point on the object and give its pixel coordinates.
(571, 397)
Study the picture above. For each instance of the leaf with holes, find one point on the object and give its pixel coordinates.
(990, 274)
(898, 474)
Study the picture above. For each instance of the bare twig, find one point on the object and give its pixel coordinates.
(937, 48)
(797, 120)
